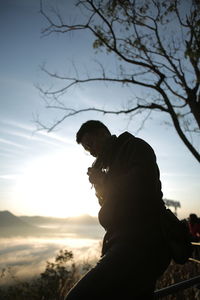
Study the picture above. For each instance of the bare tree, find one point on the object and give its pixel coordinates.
(157, 43)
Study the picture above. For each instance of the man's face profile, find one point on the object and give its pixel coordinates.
(88, 142)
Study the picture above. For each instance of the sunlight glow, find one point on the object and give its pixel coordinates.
(57, 185)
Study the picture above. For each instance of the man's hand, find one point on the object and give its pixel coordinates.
(95, 176)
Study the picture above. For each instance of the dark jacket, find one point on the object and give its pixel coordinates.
(132, 194)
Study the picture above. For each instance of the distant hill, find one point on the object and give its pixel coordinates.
(84, 219)
(80, 220)
(39, 226)
(7, 219)
(10, 225)
(41, 220)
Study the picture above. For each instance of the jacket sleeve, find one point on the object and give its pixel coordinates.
(134, 171)
(133, 179)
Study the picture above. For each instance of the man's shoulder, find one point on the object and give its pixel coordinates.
(126, 138)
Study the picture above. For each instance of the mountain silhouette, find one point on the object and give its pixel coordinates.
(79, 220)
(11, 225)
(7, 219)
(40, 226)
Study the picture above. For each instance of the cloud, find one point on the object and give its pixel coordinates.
(27, 257)
(9, 176)
(54, 136)
(9, 142)
(31, 137)
(16, 124)
(33, 134)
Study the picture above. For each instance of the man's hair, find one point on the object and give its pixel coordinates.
(91, 126)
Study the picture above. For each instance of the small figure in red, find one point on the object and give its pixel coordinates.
(194, 226)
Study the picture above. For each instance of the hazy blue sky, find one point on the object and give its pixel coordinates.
(44, 173)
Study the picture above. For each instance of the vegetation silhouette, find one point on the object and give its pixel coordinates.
(52, 284)
(154, 45)
(59, 276)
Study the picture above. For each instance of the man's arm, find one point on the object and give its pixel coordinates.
(134, 171)
(97, 178)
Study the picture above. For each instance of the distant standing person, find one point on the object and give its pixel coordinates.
(194, 227)
(126, 178)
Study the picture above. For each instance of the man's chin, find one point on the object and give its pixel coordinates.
(94, 155)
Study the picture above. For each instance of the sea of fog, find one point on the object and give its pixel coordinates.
(26, 256)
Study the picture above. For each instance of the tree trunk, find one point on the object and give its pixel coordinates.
(195, 109)
(184, 138)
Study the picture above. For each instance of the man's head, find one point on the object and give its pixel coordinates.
(193, 218)
(92, 136)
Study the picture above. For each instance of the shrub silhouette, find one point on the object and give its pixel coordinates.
(59, 276)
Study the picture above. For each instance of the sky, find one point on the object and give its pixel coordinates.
(45, 173)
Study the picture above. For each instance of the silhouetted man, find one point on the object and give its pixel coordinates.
(125, 176)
